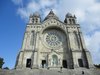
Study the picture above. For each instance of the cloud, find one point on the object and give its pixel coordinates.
(43, 6)
(17, 2)
(93, 44)
(86, 11)
(47, 3)
(98, 1)
(23, 13)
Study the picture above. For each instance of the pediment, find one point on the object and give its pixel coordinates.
(52, 21)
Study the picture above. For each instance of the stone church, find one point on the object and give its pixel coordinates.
(51, 43)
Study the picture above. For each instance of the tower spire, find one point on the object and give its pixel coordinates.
(51, 15)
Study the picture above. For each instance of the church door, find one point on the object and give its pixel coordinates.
(43, 63)
(28, 63)
(64, 64)
(80, 62)
(54, 60)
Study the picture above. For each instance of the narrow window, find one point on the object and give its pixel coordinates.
(73, 21)
(36, 20)
(70, 22)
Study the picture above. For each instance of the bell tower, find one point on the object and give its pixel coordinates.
(70, 19)
(35, 18)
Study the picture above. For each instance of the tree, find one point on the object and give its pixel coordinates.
(1, 62)
(6, 68)
(97, 65)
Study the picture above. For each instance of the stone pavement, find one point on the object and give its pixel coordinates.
(78, 71)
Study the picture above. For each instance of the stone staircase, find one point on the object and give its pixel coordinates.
(50, 72)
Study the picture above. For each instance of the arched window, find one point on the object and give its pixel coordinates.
(70, 21)
(73, 21)
(55, 60)
(36, 20)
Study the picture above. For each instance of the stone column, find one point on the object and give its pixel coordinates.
(24, 47)
(18, 62)
(84, 50)
(78, 41)
(81, 39)
(75, 59)
(24, 41)
(35, 52)
(35, 65)
(87, 57)
(70, 59)
(73, 51)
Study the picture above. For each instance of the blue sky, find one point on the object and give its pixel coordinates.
(12, 29)
(14, 15)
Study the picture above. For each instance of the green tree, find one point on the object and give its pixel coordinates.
(97, 65)
(6, 68)
(1, 62)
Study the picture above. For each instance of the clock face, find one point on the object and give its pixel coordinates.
(53, 38)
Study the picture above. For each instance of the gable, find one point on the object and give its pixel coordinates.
(53, 23)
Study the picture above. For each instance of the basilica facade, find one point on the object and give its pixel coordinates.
(51, 43)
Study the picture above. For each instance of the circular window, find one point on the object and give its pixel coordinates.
(53, 38)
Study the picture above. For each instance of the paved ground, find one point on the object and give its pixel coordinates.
(79, 71)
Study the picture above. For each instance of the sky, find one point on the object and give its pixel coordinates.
(14, 16)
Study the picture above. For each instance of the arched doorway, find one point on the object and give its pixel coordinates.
(54, 60)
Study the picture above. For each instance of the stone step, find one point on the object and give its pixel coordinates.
(50, 72)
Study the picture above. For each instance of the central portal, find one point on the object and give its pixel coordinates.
(54, 60)
(54, 42)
